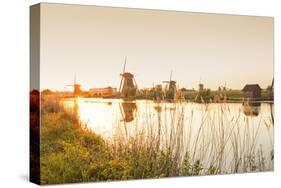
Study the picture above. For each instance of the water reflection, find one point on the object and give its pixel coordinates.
(128, 111)
(251, 108)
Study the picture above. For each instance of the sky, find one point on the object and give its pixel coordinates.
(92, 43)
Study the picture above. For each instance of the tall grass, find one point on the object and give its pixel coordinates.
(224, 142)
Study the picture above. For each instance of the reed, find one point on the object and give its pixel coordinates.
(219, 144)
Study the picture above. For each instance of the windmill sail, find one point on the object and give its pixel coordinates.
(127, 86)
(124, 68)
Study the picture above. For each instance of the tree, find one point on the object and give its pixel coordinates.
(47, 92)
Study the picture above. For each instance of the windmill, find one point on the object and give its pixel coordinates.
(171, 83)
(76, 88)
(200, 86)
(171, 88)
(224, 87)
(128, 86)
(198, 97)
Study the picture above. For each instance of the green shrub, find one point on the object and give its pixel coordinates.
(112, 170)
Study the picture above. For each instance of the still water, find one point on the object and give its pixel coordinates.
(233, 130)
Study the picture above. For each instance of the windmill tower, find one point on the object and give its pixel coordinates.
(76, 88)
(171, 89)
(128, 84)
(200, 86)
(171, 83)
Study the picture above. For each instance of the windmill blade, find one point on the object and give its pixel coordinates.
(171, 75)
(121, 84)
(124, 67)
(136, 84)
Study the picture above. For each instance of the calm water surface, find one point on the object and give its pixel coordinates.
(205, 128)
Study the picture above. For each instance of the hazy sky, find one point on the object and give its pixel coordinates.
(92, 43)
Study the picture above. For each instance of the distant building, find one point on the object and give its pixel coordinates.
(252, 91)
(106, 92)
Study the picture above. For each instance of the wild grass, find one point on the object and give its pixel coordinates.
(67, 149)
(167, 145)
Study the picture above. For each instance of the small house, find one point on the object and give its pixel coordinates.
(252, 91)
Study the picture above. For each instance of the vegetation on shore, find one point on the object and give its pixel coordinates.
(190, 95)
